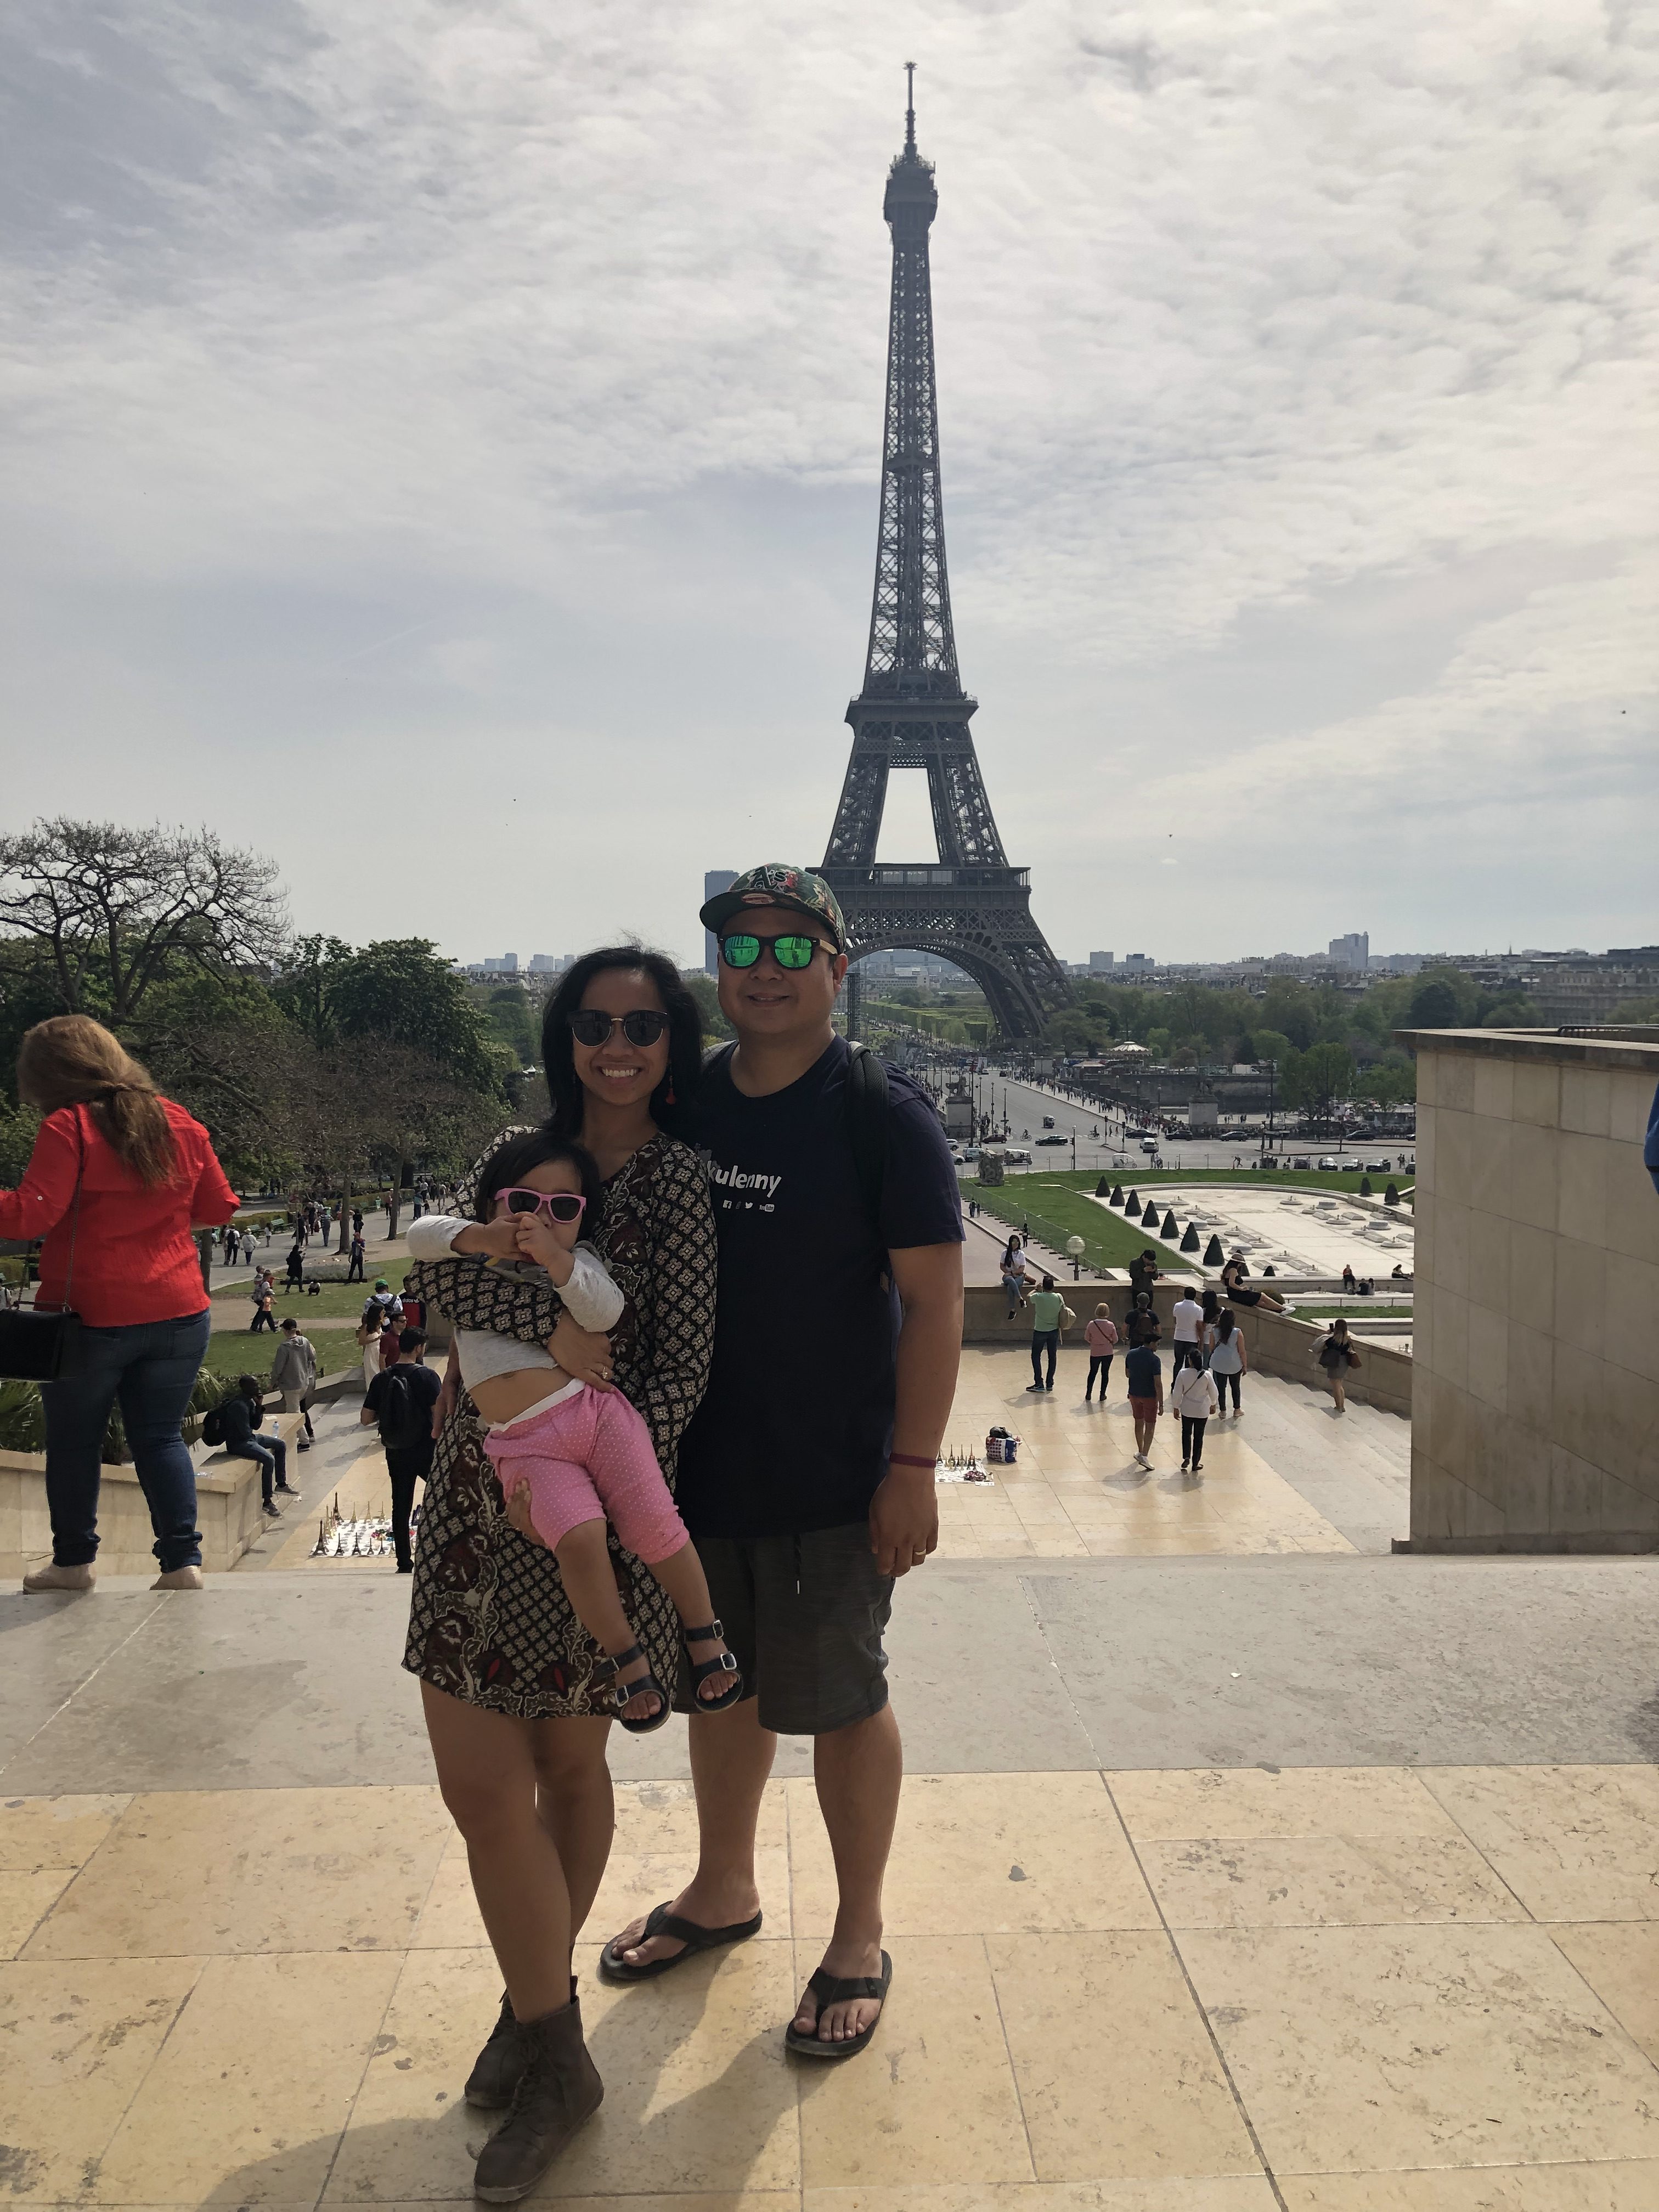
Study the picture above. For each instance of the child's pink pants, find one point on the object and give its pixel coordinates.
(590, 1458)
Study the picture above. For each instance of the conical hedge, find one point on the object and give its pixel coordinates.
(1151, 1214)
(1391, 1195)
(1364, 1186)
(1189, 1242)
(1102, 1188)
(1170, 1225)
(1131, 1203)
(1116, 1198)
(1213, 1253)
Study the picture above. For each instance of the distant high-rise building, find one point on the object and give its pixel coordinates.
(551, 963)
(1353, 951)
(507, 965)
(1100, 963)
(716, 881)
(1141, 961)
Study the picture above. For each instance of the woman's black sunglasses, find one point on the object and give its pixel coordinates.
(641, 1027)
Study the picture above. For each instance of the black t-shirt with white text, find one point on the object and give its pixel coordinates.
(794, 1428)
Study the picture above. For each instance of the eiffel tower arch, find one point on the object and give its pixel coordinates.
(966, 903)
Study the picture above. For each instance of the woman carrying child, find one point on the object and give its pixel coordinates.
(518, 1694)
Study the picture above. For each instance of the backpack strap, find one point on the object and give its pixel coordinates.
(869, 1101)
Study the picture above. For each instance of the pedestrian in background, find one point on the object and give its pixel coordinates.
(1047, 1307)
(399, 1402)
(1336, 1355)
(242, 1416)
(116, 1180)
(294, 1372)
(1015, 1267)
(1140, 1324)
(1192, 1395)
(265, 1313)
(1187, 1319)
(1145, 1379)
(1228, 1357)
(1101, 1337)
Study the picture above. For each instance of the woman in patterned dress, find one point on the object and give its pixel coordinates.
(516, 1693)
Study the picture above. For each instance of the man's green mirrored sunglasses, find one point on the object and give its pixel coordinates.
(789, 951)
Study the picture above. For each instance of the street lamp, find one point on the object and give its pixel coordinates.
(1075, 1248)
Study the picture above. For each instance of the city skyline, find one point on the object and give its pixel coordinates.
(479, 418)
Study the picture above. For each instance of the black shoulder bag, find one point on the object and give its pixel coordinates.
(36, 1347)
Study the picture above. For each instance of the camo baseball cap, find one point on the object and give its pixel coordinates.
(775, 884)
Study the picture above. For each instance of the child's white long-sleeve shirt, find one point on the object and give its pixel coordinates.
(591, 1297)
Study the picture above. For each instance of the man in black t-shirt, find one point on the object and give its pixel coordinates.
(399, 1401)
(806, 1475)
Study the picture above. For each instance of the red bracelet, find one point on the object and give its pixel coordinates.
(910, 1459)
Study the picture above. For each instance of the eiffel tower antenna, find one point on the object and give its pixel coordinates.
(967, 903)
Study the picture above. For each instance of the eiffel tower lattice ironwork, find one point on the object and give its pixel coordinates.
(966, 904)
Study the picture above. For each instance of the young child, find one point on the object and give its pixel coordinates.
(584, 1455)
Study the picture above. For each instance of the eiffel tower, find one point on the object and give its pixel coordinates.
(967, 903)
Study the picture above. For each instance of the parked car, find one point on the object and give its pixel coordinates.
(1015, 1157)
(1377, 1167)
(970, 1152)
(1325, 1161)
(1148, 1144)
(1054, 1140)
(1302, 1161)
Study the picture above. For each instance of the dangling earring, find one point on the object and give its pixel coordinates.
(668, 1094)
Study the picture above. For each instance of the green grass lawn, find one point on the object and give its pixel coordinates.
(234, 1351)
(1060, 1204)
(336, 1299)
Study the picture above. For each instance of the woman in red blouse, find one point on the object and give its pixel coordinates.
(145, 1174)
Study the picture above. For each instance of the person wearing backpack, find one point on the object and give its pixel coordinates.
(399, 1402)
(807, 1476)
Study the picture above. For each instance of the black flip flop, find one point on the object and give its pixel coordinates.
(663, 1920)
(828, 1989)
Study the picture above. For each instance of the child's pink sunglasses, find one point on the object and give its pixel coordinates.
(557, 1204)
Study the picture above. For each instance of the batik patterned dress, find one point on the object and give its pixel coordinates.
(490, 1621)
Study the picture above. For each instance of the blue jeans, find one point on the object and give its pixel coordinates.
(269, 1454)
(151, 1367)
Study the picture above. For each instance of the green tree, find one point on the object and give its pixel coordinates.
(706, 991)
(1434, 1006)
(304, 982)
(399, 989)
(1322, 1076)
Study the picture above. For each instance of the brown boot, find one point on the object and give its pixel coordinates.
(496, 2069)
(559, 2088)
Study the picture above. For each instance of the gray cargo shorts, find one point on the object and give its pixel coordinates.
(804, 1617)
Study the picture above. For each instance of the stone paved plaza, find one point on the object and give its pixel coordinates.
(1241, 1865)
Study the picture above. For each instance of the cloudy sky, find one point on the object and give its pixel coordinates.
(441, 449)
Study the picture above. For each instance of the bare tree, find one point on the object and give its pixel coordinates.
(116, 910)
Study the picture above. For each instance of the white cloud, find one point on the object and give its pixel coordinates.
(490, 397)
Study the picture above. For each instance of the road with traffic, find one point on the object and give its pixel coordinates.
(1102, 1143)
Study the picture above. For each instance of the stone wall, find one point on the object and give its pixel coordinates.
(1536, 1328)
(227, 1511)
